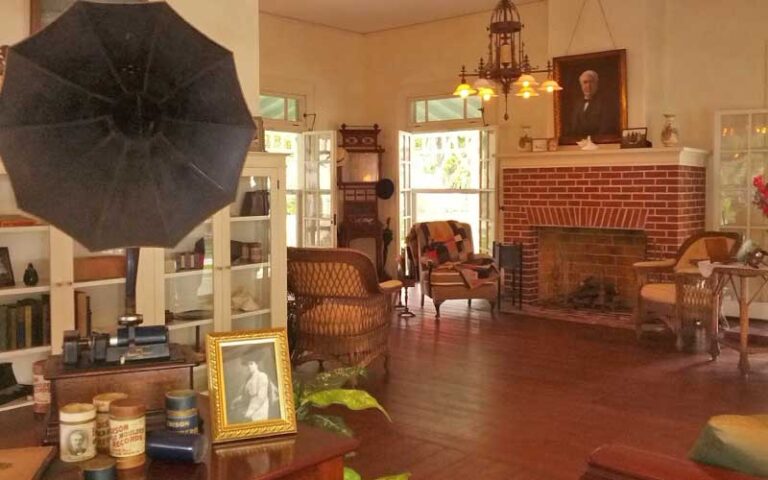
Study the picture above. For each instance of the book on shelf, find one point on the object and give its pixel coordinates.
(12, 327)
(25, 324)
(45, 312)
(4, 327)
(23, 336)
(82, 313)
(15, 220)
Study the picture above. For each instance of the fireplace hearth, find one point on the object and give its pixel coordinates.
(589, 267)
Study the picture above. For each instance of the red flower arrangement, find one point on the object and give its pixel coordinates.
(761, 193)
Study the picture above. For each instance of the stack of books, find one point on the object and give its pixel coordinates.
(25, 324)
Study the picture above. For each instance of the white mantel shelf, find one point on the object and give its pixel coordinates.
(607, 157)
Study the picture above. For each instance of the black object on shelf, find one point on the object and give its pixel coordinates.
(509, 259)
(30, 276)
(10, 390)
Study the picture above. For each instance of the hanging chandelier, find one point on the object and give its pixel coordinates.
(507, 65)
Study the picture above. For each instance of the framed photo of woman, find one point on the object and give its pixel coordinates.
(249, 379)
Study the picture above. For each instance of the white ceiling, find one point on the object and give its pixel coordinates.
(366, 16)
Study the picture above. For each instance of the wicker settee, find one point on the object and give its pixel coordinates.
(342, 312)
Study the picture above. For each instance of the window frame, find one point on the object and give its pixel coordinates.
(286, 125)
(441, 125)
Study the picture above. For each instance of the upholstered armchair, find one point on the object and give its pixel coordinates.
(342, 312)
(674, 291)
(441, 279)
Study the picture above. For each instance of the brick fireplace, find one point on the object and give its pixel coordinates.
(659, 192)
(589, 267)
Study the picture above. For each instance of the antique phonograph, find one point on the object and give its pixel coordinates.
(124, 127)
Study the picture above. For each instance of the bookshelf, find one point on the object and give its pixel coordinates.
(159, 287)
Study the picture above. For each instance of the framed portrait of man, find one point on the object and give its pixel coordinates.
(249, 378)
(593, 101)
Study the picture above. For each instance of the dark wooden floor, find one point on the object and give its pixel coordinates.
(515, 397)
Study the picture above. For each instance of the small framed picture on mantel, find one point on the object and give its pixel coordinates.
(634, 138)
(540, 144)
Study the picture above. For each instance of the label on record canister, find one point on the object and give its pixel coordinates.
(184, 421)
(126, 436)
(41, 390)
(77, 432)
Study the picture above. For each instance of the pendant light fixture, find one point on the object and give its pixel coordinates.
(507, 65)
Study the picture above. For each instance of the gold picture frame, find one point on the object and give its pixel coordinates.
(604, 115)
(249, 379)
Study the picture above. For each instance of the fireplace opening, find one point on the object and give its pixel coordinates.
(589, 268)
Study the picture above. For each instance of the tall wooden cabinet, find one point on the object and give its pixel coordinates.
(227, 274)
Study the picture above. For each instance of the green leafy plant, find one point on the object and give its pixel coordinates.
(325, 389)
(350, 474)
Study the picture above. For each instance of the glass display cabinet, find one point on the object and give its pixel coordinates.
(228, 273)
(741, 153)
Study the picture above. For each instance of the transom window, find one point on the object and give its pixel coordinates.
(284, 108)
(445, 109)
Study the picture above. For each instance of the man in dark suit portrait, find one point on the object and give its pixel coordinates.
(593, 112)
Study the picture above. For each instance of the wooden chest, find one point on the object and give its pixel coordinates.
(145, 381)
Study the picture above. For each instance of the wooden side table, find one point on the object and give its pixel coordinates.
(310, 454)
(733, 274)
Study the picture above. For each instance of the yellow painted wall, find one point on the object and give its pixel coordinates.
(324, 64)
(715, 59)
(235, 25)
(14, 21)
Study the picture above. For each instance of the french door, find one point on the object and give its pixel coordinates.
(319, 189)
(404, 183)
(449, 176)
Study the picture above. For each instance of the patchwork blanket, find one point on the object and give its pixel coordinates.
(442, 242)
(477, 272)
(447, 245)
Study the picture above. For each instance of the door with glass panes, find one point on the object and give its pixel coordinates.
(449, 175)
(319, 189)
(741, 153)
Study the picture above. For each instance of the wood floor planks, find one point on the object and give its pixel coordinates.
(481, 396)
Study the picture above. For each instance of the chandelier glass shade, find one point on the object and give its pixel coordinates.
(507, 66)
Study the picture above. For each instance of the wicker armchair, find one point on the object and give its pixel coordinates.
(674, 291)
(342, 313)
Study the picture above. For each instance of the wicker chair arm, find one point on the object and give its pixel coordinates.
(655, 266)
(688, 271)
(390, 286)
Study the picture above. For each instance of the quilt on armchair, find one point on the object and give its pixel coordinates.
(448, 268)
